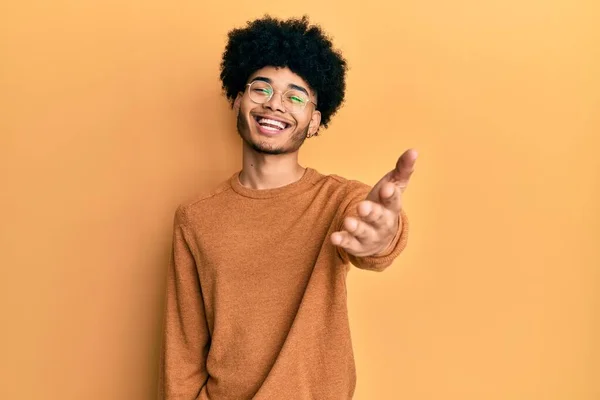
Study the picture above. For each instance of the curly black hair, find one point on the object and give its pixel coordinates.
(305, 49)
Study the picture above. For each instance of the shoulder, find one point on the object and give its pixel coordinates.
(347, 188)
(203, 201)
(338, 182)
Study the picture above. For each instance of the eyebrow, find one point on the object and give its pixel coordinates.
(290, 86)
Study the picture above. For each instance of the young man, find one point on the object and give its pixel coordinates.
(256, 298)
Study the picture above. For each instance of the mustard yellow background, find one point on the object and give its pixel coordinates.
(112, 114)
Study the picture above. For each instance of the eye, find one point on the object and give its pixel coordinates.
(262, 91)
(297, 99)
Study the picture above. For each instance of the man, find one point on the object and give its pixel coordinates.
(256, 297)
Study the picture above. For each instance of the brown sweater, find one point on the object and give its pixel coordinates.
(256, 293)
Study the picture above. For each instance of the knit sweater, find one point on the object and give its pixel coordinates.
(256, 293)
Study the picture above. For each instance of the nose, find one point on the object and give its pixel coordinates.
(275, 103)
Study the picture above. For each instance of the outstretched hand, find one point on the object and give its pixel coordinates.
(379, 214)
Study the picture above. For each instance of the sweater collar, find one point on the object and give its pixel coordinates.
(287, 190)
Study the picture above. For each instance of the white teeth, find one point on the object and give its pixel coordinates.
(273, 122)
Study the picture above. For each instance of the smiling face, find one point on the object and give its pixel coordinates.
(270, 127)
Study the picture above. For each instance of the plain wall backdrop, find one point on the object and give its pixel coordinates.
(112, 114)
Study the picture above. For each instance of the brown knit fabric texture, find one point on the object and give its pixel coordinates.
(256, 293)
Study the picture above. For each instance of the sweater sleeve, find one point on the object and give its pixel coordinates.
(186, 337)
(357, 193)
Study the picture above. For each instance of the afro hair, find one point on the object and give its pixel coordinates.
(305, 49)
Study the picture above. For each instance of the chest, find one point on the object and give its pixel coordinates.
(269, 242)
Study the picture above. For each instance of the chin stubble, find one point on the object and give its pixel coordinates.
(291, 146)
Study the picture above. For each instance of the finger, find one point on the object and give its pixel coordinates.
(359, 229)
(346, 241)
(390, 196)
(404, 168)
(372, 213)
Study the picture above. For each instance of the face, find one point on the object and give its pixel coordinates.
(270, 128)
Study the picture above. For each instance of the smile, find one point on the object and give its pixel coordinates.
(270, 125)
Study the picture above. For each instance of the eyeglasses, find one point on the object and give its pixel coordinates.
(293, 100)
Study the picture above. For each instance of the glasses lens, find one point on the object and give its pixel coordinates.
(295, 100)
(260, 92)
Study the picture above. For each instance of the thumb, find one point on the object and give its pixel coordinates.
(404, 168)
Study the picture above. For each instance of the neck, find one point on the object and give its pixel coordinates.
(266, 171)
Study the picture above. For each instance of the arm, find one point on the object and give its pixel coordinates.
(186, 338)
(374, 228)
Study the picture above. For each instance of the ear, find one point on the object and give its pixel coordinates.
(314, 124)
(237, 103)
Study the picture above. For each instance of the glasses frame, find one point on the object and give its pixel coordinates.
(281, 94)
